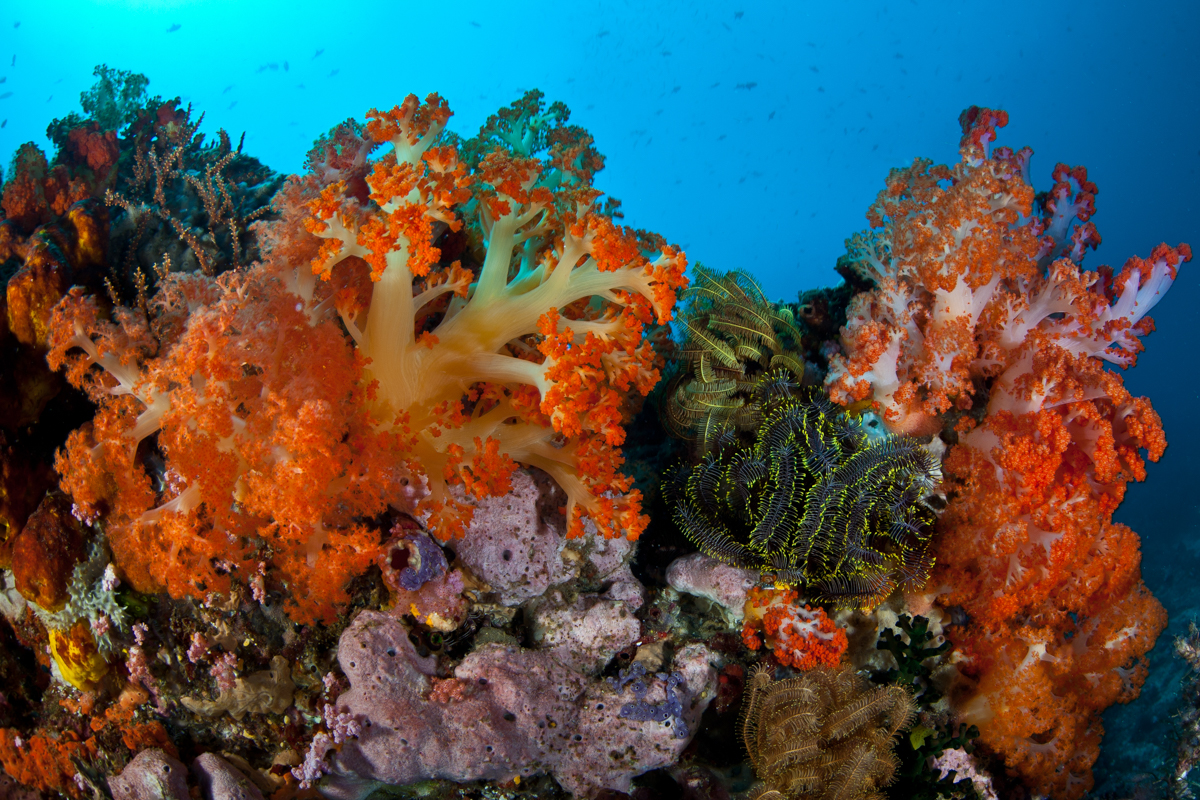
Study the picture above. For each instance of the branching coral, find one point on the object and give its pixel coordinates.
(815, 502)
(280, 413)
(205, 196)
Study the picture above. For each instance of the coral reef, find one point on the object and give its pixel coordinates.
(324, 405)
(723, 585)
(802, 637)
(341, 505)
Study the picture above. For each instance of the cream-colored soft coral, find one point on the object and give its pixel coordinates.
(473, 383)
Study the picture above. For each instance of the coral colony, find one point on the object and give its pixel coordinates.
(314, 486)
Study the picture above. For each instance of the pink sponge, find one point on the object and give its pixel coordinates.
(506, 712)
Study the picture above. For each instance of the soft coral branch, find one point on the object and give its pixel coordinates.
(979, 293)
(286, 414)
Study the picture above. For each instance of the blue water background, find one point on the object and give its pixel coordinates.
(755, 134)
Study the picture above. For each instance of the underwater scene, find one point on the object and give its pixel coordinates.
(695, 401)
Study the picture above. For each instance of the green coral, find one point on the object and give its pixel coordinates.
(933, 734)
(911, 654)
(113, 102)
(115, 98)
(814, 501)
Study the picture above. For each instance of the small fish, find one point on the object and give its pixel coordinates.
(299, 85)
(746, 86)
(273, 66)
(771, 116)
(666, 52)
(16, 24)
(3, 79)
(601, 34)
(675, 89)
(227, 89)
(715, 85)
(285, 66)
(6, 95)
(737, 14)
(475, 24)
(14, 59)
(322, 50)
(174, 28)
(234, 103)
(48, 99)
(814, 69)
(2, 124)
(333, 73)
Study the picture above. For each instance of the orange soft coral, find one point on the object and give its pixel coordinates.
(1028, 549)
(287, 414)
(800, 637)
(979, 292)
(550, 246)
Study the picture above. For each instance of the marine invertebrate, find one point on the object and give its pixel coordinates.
(534, 714)
(290, 412)
(815, 502)
(978, 293)
(205, 195)
(800, 636)
(739, 353)
(669, 711)
(268, 690)
(823, 734)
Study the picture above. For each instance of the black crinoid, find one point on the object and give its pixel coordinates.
(736, 347)
(817, 501)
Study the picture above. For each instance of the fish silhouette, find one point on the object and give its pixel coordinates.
(174, 28)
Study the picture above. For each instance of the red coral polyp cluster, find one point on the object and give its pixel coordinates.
(267, 418)
(799, 636)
